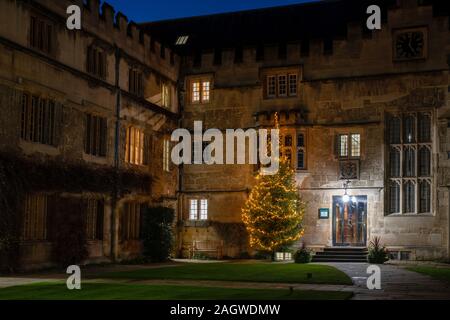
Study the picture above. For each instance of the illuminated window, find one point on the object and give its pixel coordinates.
(349, 145)
(200, 91)
(35, 218)
(198, 209)
(166, 155)
(196, 92)
(182, 40)
(205, 91)
(193, 209)
(165, 95)
(203, 209)
(134, 152)
(355, 145)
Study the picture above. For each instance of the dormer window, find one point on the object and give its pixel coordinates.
(182, 40)
(96, 62)
(200, 90)
(41, 35)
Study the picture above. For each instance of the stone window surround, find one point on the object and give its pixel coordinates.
(201, 79)
(294, 148)
(416, 178)
(198, 207)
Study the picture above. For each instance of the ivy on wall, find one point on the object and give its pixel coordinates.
(233, 233)
(20, 176)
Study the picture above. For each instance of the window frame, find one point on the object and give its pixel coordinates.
(348, 145)
(130, 143)
(203, 94)
(403, 179)
(198, 209)
(275, 81)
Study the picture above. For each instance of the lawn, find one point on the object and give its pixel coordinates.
(253, 272)
(109, 291)
(434, 272)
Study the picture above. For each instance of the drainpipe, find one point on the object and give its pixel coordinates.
(116, 188)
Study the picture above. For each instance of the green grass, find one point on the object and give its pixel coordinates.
(109, 291)
(434, 272)
(254, 272)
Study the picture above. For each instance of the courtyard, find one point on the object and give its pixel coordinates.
(243, 280)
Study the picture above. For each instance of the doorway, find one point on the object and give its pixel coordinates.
(350, 221)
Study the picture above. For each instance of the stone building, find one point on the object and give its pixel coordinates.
(359, 109)
(88, 116)
(364, 118)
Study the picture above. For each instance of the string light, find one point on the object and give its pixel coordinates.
(273, 213)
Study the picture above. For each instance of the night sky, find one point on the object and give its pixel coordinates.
(153, 10)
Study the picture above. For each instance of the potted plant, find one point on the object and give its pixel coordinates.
(377, 254)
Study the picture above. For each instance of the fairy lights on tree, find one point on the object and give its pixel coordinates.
(273, 212)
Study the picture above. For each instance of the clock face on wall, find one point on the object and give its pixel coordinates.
(410, 44)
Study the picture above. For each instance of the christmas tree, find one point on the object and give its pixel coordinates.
(273, 212)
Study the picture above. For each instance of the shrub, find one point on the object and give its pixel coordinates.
(157, 233)
(377, 253)
(303, 255)
(68, 231)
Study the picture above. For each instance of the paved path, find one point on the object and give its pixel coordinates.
(397, 283)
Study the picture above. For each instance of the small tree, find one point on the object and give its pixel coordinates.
(273, 212)
(157, 233)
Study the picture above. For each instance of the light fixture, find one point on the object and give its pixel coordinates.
(354, 199)
(346, 197)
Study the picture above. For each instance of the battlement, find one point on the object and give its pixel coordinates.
(116, 28)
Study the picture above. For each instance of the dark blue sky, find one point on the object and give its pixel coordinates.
(152, 10)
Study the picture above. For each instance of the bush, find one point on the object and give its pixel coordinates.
(157, 233)
(378, 254)
(303, 255)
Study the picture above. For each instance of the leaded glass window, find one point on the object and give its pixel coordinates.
(409, 139)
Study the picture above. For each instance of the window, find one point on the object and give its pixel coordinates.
(136, 85)
(131, 221)
(35, 218)
(39, 119)
(281, 85)
(136, 146)
(410, 149)
(166, 155)
(165, 95)
(41, 34)
(181, 40)
(282, 89)
(200, 91)
(271, 86)
(198, 209)
(301, 152)
(95, 136)
(96, 62)
(292, 85)
(348, 145)
(193, 209)
(94, 219)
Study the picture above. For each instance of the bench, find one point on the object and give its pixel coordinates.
(207, 246)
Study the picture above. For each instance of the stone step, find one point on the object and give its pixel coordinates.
(325, 259)
(342, 252)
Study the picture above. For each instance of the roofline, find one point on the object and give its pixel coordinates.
(296, 5)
